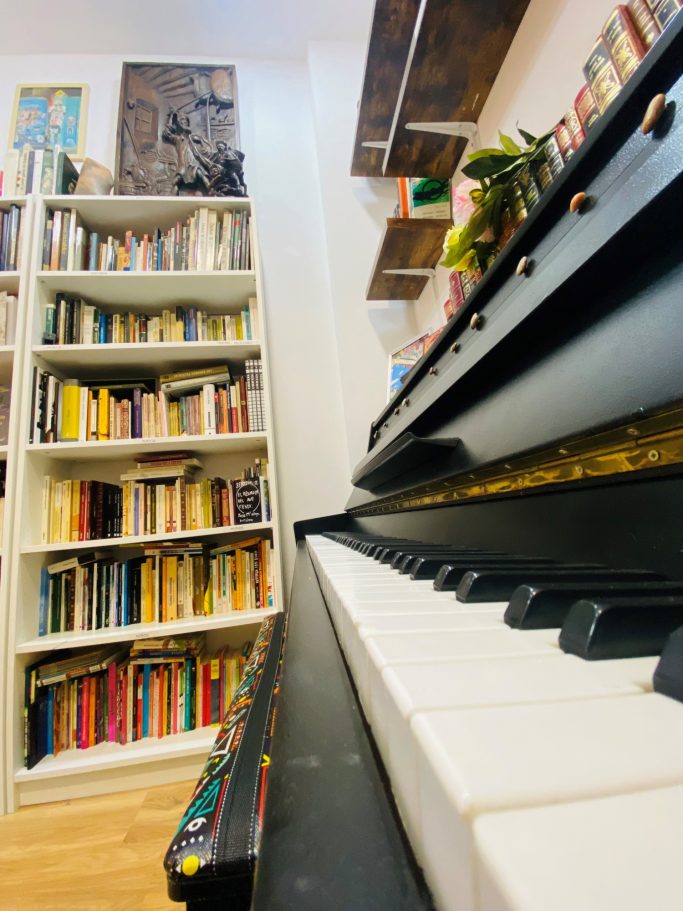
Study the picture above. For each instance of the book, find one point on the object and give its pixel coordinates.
(644, 22)
(622, 41)
(602, 76)
(665, 11)
(586, 108)
(424, 197)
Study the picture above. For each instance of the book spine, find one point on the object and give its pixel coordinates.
(623, 43)
(644, 22)
(586, 108)
(602, 75)
(665, 11)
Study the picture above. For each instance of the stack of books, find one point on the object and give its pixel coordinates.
(205, 401)
(206, 242)
(47, 171)
(160, 496)
(10, 239)
(116, 694)
(241, 576)
(72, 321)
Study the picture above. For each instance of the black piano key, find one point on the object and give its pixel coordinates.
(429, 567)
(404, 562)
(491, 585)
(393, 553)
(546, 606)
(668, 678)
(598, 629)
(450, 575)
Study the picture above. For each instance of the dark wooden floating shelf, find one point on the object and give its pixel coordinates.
(432, 62)
(407, 243)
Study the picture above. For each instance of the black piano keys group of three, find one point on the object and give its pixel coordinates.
(603, 613)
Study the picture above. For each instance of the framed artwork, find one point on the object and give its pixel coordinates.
(45, 116)
(178, 131)
(401, 362)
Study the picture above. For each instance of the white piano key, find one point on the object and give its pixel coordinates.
(343, 594)
(354, 636)
(409, 648)
(477, 761)
(404, 690)
(594, 855)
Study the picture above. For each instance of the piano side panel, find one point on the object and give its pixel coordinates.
(331, 838)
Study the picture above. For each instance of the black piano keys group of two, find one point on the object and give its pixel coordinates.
(602, 613)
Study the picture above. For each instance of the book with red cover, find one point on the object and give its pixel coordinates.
(573, 124)
(602, 75)
(623, 43)
(586, 108)
(644, 21)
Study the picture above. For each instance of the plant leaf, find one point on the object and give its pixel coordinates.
(529, 138)
(488, 166)
(481, 153)
(508, 144)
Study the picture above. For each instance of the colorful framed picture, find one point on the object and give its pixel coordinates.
(45, 116)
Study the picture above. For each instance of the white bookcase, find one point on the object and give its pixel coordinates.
(15, 283)
(111, 767)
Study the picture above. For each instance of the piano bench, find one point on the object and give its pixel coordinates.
(210, 861)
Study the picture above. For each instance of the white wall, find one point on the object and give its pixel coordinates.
(282, 175)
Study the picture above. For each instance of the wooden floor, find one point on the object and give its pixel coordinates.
(95, 854)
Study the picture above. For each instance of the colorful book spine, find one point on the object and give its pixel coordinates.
(644, 22)
(602, 76)
(621, 38)
(586, 109)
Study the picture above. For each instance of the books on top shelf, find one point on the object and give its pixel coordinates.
(47, 171)
(121, 695)
(85, 510)
(170, 581)
(206, 401)
(205, 242)
(73, 321)
(10, 239)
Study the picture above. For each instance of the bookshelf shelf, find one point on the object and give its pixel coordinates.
(106, 756)
(134, 540)
(100, 450)
(429, 61)
(93, 638)
(111, 767)
(9, 281)
(407, 243)
(215, 290)
(162, 357)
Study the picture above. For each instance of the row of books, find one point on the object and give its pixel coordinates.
(626, 37)
(122, 694)
(206, 242)
(213, 403)
(47, 171)
(10, 239)
(8, 318)
(72, 321)
(85, 510)
(168, 582)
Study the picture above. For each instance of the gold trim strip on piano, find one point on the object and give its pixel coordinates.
(646, 450)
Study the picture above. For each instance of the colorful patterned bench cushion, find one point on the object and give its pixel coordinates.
(215, 847)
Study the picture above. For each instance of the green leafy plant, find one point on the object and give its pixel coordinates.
(495, 169)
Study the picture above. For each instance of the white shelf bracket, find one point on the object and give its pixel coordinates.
(375, 144)
(420, 273)
(465, 129)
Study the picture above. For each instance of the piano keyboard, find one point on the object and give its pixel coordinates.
(513, 763)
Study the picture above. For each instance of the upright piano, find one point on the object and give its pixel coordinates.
(467, 716)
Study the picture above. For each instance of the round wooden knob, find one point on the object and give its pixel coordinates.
(455, 347)
(577, 201)
(476, 321)
(654, 111)
(433, 371)
(522, 265)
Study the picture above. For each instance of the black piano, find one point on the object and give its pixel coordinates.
(547, 424)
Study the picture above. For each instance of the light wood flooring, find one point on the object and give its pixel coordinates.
(94, 854)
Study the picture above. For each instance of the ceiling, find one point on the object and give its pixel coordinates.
(271, 29)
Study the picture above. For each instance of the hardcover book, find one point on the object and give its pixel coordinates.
(602, 75)
(621, 38)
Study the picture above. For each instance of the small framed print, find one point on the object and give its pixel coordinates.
(49, 116)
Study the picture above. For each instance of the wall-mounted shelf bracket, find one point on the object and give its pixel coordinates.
(422, 273)
(375, 144)
(465, 129)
